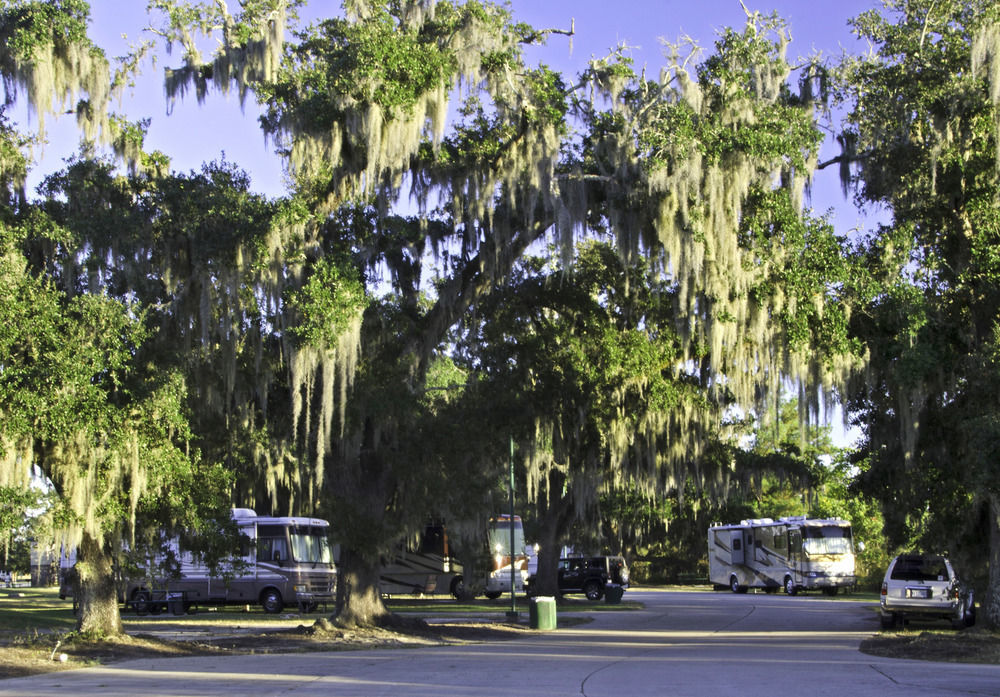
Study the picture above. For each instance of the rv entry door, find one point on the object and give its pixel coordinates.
(736, 545)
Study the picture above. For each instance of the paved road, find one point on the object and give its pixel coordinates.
(682, 644)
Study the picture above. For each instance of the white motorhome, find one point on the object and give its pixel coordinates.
(793, 553)
(423, 567)
(283, 560)
(426, 567)
(499, 535)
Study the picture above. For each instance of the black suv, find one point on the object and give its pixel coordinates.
(589, 575)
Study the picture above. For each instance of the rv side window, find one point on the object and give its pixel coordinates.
(434, 541)
(272, 549)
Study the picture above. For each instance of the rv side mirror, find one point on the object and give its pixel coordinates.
(861, 545)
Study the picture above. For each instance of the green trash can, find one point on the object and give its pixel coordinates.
(613, 594)
(542, 612)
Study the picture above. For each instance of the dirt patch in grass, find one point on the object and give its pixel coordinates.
(42, 654)
(974, 645)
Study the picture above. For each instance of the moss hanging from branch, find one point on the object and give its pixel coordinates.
(45, 52)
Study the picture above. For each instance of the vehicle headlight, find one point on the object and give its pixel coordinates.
(300, 589)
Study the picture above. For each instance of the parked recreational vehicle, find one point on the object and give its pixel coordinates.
(427, 567)
(423, 567)
(283, 560)
(795, 553)
(499, 580)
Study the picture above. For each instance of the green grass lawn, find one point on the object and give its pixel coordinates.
(28, 609)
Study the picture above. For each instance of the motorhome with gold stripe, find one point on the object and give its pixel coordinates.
(791, 553)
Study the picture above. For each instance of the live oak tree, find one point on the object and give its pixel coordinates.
(921, 144)
(358, 106)
(87, 399)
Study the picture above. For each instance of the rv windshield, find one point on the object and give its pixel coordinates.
(310, 546)
(499, 536)
(826, 539)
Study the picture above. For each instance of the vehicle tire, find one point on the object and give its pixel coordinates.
(970, 616)
(493, 595)
(734, 585)
(457, 588)
(790, 587)
(888, 621)
(593, 590)
(141, 602)
(966, 619)
(271, 600)
(831, 591)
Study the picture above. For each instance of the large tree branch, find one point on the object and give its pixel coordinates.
(462, 290)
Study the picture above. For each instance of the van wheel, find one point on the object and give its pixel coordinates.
(593, 590)
(790, 586)
(457, 587)
(493, 595)
(734, 585)
(271, 600)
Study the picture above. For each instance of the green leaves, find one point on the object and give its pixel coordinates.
(329, 302)
(31, 25)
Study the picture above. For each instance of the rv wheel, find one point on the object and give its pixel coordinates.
(790, 586)
(140, 602)
(457, 587)
(271, 600)
(734, 585)
(493, 595)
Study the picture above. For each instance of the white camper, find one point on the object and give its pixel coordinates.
(283, 560)
(423, 567)
(794, 553)
(500, 535)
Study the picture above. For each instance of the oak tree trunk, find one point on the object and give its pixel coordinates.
(96, 593)
(553, 519)
(991, 606)
(359, 602)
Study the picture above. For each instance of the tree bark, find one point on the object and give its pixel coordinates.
(991, 606)
(96, 593)
(553, 519)
(359, 603)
